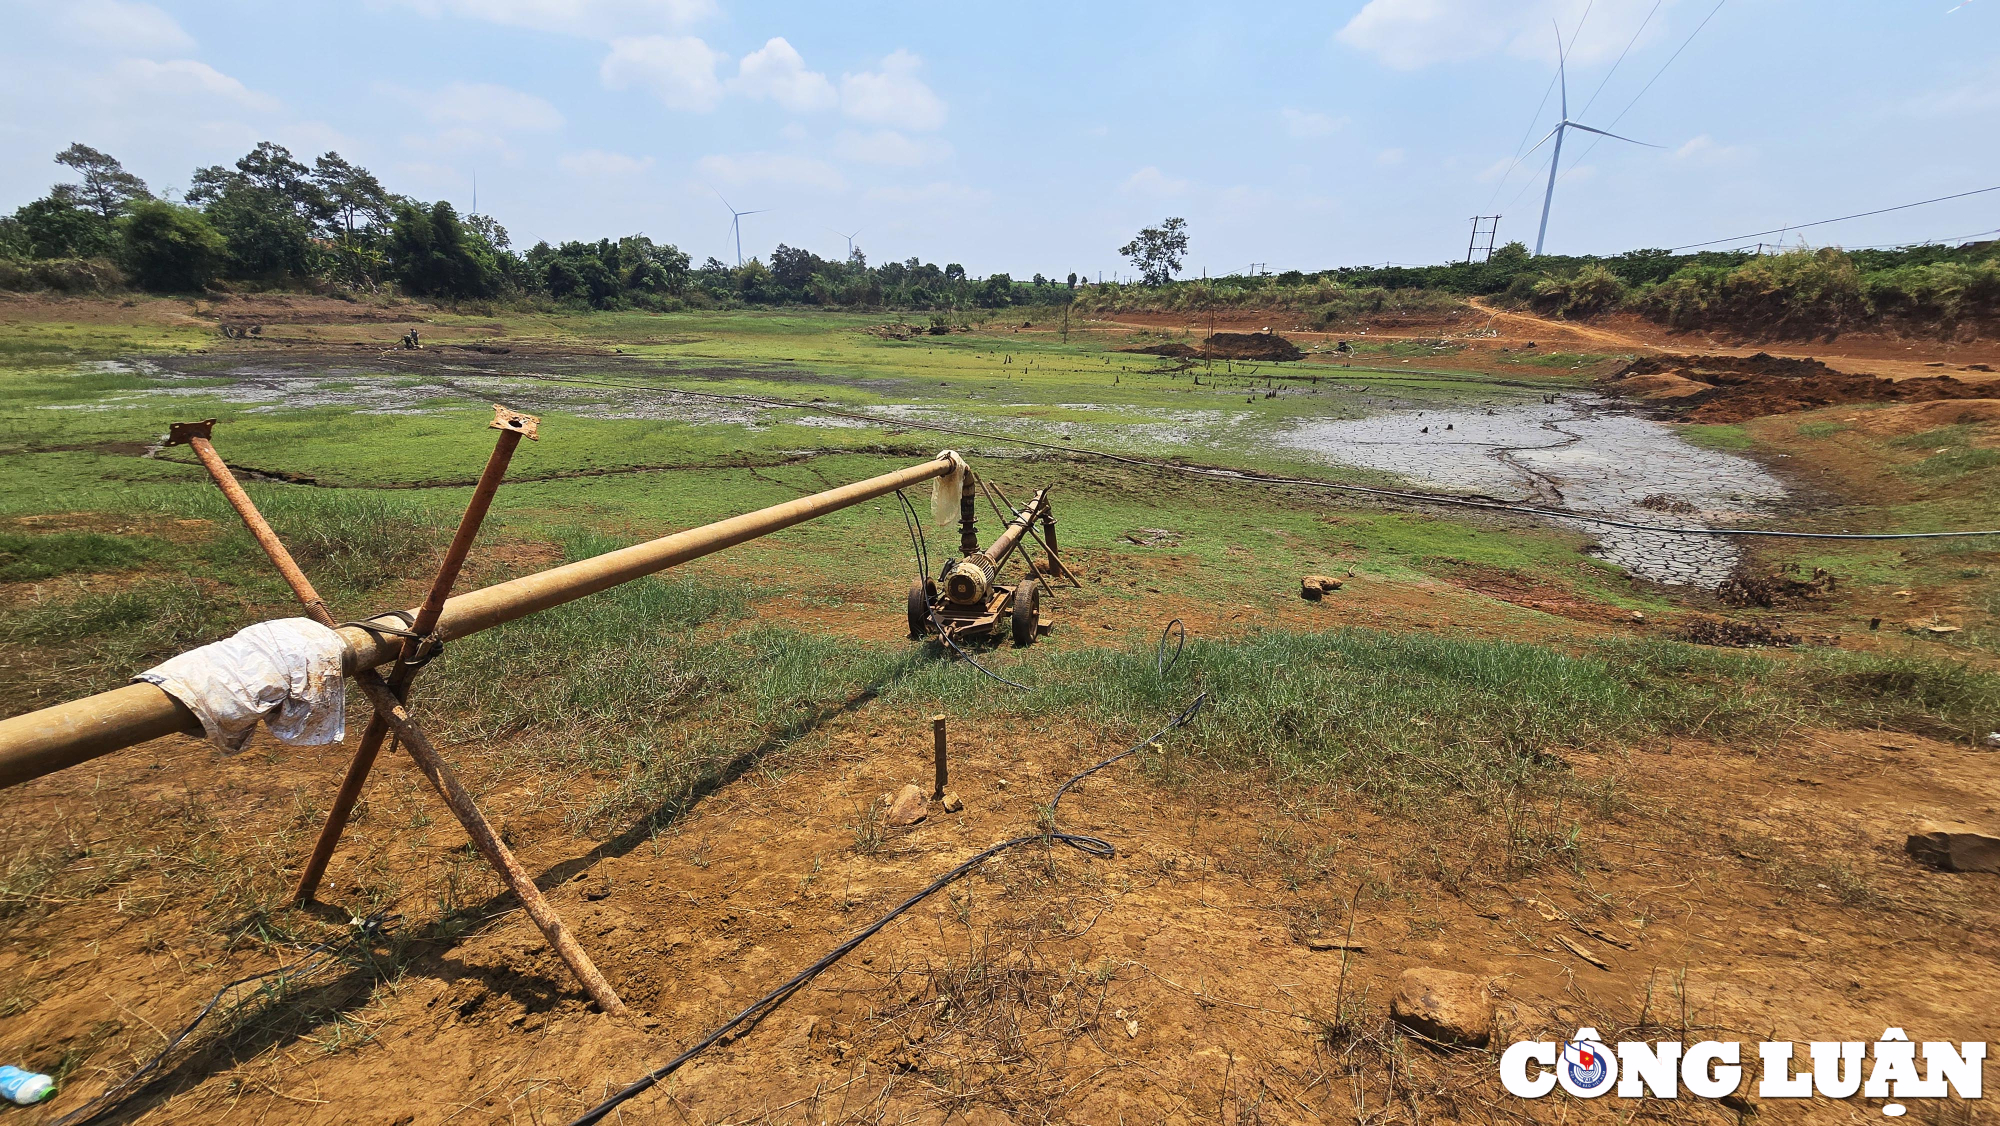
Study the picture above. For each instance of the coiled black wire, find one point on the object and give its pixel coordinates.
(1093, 846)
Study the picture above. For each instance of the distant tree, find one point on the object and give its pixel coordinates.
(58, 227)
(489, 231)
(106, 189)
(1072, 279)
(1157, 251)
(170, 248)
(351, 193)
(952, 272)
(1510, 254)
(997, 291)
(267, 238)
(792, 268)
(601, 286)
(268, 208)
(561, 277)
(433, 255)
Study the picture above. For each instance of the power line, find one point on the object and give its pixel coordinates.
(1621, 58)
(1649, 84)
(1546, 91)
(1839, 219)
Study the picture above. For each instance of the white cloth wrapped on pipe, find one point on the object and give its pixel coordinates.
(946, 490)
(286, 673)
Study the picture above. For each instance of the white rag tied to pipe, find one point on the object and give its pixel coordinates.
(948, 490)
(286, 673)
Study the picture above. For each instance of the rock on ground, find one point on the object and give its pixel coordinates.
(1449, 1007)
(910, 807)
(1954, 848)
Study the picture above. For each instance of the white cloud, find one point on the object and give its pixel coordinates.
(1150, 181)
(1305, 125)
(485, 105)
(771, 168)
(1409, 34)
(602, 19)
(144, 79)
(678, 70)
(893, 96)
(886, 146)
(122, 26)
(1389, 158)
(776, 71)
(599, 164)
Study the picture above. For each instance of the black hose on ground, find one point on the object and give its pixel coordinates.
(1093, 846)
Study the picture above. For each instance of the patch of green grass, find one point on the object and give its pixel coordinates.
(1718, 436)
(1954, 463)
(1558, 359)
(1822, 429)
(34, 557)
(97, 641)
(1944, 437)
(346, 541)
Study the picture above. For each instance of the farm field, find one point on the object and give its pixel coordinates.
(1497, 749)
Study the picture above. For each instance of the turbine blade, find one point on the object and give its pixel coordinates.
(1613, 136)
(724, 199)
(1562, 68)
(1543, 141)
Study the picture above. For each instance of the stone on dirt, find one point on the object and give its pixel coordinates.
(910, 807)
(1446, 1006)
(952, 804)
(1312, 587)
(1953, 847)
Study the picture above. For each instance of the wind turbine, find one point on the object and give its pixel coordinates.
(736, 223)
(849, 238)
(1548, 197)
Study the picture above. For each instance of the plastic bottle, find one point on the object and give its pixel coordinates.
(24, 1088)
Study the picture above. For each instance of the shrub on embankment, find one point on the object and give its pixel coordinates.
(1799, 293)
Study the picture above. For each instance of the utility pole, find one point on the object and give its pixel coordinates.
(1491, 230)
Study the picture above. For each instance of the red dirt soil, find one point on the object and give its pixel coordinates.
(1736, 388)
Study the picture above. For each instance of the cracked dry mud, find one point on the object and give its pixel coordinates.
(1578, 453)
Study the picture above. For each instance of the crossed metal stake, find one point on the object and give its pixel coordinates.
(387, 696)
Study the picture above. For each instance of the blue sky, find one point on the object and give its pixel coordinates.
(1038, 136)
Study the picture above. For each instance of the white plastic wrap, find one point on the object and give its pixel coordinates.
(286, 673)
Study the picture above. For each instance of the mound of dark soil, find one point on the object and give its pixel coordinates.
(1250, 346)
(1176, 351)
(1733, 634)
(1734, 388)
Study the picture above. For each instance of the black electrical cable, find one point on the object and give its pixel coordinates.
(919, 542)
(317, 957)
(1093, 846)
(1248, 476)
(944, 635)
(1163, 664)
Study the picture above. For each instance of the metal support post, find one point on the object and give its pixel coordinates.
(442, 777)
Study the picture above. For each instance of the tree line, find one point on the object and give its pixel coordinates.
(273, 221)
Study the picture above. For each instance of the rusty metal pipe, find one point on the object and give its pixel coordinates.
(970, 580)
(51, 739)
(512, 427)
(390, 712)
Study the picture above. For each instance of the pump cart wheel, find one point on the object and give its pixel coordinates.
(1027, 611)
(922, 592)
